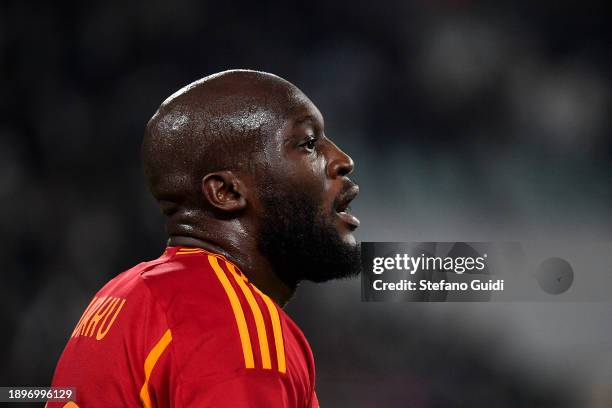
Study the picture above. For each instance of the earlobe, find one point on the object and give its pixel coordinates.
(223, 190)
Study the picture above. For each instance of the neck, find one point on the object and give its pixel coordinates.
(242, 251)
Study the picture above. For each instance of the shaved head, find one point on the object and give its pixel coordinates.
(219, 122)
(240, 164)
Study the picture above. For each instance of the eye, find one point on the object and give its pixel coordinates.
(309, 144)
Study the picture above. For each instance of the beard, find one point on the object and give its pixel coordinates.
(301, 241)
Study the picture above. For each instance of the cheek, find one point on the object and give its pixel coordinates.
(305, 173)
(314, 174)
(309, 170)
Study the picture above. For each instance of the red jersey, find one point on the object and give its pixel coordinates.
(186, 330)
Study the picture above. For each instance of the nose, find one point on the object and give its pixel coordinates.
(340, 163)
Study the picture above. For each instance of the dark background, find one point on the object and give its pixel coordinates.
(467, 120)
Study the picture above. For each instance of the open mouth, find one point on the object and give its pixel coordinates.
(343, 209)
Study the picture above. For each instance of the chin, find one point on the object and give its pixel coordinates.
(349, 239)
(345, 233)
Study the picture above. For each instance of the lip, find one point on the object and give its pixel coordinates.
(341, 205)
(349, 218)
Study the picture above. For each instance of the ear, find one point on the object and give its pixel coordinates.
(224, 191)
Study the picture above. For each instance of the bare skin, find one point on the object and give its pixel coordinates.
(211, 146)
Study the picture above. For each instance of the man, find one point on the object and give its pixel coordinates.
(256, 199)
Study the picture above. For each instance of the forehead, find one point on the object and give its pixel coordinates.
(304, 112)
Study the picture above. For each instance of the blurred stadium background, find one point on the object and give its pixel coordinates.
(467, 120)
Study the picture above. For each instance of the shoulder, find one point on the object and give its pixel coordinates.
(216, 319)
(153, 291)
(194, 319)
(219, 321)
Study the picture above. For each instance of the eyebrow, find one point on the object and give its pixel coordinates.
(299, 121)
(306, 118)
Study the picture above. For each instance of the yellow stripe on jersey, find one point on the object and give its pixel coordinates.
(259, 321)
(243, 330)
(149, 364)
(69, 404)
(185, 251)
(276, 330)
